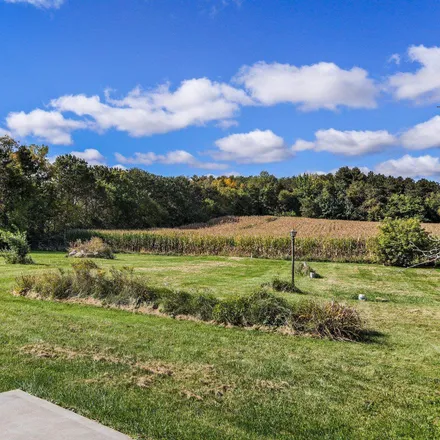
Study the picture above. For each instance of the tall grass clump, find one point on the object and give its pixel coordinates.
(312, 249)
(87, 280)
(261, 309)
(93, 248)
(329, 319)
(282, 285)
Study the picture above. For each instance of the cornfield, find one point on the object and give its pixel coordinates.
(281, 226)
(258, 237)
(307, 248)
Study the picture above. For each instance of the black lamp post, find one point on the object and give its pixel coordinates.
(292, 237)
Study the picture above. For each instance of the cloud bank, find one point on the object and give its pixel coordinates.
(348, 143)
(422, 85)
(176, 157)
(43, 4)
(254, 147)
(410, 166)
(319, 86)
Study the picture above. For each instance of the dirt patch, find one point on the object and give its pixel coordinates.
(190, 395)
(158, 369)
(272, 385)
(139, 368)
(203, 379)
(118, 380)
(49, 352)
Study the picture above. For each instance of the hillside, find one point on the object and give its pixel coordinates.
(281, 226)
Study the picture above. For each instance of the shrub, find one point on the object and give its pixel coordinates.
(17, 251)
(330, 319)
(261, 308)
(116, 286)
(264, 308)
(84, 265)
(401, 241)
(93, 248)
(123, 287)
(48, 285)
(231, 311)
(177, 303)
(204, 305)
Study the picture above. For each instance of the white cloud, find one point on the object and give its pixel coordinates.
(4, 132)
(197, 102)
(119, 167)
(227, 123)
(231, 173)
(44, 4)
(322, 85)
(91, 156)
(137, 159)
(364, 170)
(348, 143)
(143, 113)
(424, 84)
(317, 173)
(254, 147)
(394, 58)
(410, 166)
(424, 135)
(224, 174)
(177, 157)
(49, 126)
(218, 5)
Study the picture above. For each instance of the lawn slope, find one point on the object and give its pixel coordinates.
(158, 378)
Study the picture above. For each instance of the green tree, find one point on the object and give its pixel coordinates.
(401, 242)
(404, 206)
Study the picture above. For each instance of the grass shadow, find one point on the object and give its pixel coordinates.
(369, 336)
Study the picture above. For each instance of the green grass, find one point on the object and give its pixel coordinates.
(159, 378)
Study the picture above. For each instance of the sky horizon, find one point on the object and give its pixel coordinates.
(226, 86)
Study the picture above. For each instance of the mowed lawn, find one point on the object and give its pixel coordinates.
(159, 378)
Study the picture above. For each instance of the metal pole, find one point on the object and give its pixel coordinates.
(292, 237)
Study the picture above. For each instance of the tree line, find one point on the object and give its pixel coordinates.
(44, 197)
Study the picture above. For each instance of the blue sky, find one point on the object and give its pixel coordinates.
(220, 86)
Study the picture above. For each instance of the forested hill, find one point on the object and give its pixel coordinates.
(42, 197)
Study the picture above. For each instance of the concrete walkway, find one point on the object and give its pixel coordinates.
(25, 417)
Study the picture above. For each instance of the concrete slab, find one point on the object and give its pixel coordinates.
(25, 417)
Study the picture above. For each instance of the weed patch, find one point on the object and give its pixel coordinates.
(93, 248)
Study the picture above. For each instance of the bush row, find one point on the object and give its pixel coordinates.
(312, 249)
(263, 308)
